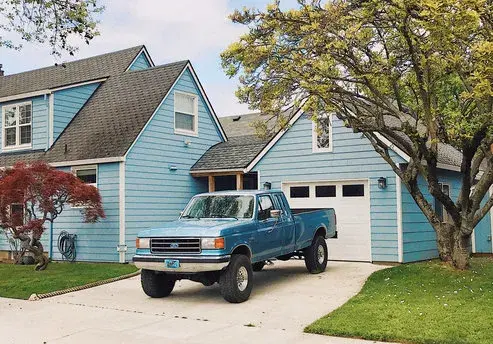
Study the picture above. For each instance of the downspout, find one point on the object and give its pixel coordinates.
(51, 241)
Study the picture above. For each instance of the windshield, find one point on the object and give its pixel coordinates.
(220, 206)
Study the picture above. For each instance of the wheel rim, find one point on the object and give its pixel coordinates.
(242, 278)
(320, 254)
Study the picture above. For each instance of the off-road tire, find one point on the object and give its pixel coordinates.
(229, 281)
(315, 259)
(258, 266)
(156, 284)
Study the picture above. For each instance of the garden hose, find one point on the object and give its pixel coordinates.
(66, 245)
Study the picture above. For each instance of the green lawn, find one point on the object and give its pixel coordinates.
(419, 303)
(20, 281)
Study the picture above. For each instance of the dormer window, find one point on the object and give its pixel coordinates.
(17, 126)
(186, 113)
(322, 134)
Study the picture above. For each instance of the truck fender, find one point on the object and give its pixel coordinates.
(242, 248)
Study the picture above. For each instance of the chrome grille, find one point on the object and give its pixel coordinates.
(175, 245)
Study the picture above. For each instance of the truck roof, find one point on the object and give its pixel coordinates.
(240, 192)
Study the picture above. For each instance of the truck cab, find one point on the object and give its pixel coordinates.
(225, 236)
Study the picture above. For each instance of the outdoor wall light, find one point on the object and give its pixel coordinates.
(267, 185)
(382, 183)
(187, 143)
(172, 167)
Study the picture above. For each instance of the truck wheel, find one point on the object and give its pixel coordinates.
(258, 266)
(236, 281)
(316, 255)
(156, 284)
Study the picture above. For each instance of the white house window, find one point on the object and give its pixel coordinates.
(88, 174)
(439, 208)
(322, 134)
(17, 214)
(186, 113)
(17, 126)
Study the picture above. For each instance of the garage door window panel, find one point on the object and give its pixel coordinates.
(353, 190)
(299, 191)
(325, 191)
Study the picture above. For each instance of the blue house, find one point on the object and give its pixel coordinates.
(149, 139)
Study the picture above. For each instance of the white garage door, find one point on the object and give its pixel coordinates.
(351, 201)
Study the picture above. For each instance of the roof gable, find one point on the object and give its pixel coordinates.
(92, 68)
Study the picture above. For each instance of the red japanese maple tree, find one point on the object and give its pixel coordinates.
(32, 195)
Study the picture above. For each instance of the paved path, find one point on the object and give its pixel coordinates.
(284, 300)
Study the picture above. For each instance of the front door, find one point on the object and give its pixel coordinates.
(268, 243)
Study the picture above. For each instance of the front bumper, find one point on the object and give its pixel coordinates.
(187, 264)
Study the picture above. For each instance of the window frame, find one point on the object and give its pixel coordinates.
(195, 115)
(18, 145)
(259, 206)
(75, 169)
(444, 216)
(23, 213)
(315, 147)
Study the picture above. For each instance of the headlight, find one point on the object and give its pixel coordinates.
(212, 243)
(143, 242)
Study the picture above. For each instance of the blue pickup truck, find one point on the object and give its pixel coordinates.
(224, 236)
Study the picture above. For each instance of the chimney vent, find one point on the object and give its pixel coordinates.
(2, 73)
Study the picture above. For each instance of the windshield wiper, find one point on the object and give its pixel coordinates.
(189, 217)
(221, 216)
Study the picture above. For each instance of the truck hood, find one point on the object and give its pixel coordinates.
(195, 228)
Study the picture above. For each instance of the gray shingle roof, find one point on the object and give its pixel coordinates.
(112, 118)
(91, 68)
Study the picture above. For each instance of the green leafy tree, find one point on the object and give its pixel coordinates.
(52, 22)
(417, 73)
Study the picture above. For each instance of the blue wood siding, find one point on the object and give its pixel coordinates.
(292, 159)
(154, 193)
(419, 238)
(95, 241)
(67, 103)
(39, 121)
(141, 62)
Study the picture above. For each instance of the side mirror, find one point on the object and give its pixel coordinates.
(275, 213)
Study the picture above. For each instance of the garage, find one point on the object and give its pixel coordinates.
(351, 201)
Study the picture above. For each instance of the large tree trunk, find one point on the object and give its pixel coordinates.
(453, 245)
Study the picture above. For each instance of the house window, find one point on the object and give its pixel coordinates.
(325, 191)
(186, 113)
(88, 174)
(17, 126)
(17, 214)
(299, 192)
(353, 190)
(439, 208)
(322, 134)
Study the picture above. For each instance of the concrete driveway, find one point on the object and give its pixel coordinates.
(284, 300)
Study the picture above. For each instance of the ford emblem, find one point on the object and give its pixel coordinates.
(174, 245)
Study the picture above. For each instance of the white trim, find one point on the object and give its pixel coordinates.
(75, 169)
(47, 91)
(86, 162)
(195, 114)
(235, 170)
(491, 221)
(17, 146)
(51, 118)
(448, 167)
(393, 147)
(315, 148)
(259, 184)
(400, 243)
(24, 95)
(273, 141)
(148, 57)
(204, 96)
(473, 240)
(121, 201)
(78, 84)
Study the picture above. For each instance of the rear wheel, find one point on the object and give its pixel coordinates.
(258, 266)
(316, 255)
(156, 284)
(236, 281)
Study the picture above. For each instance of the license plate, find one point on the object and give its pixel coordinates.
(172, 263)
